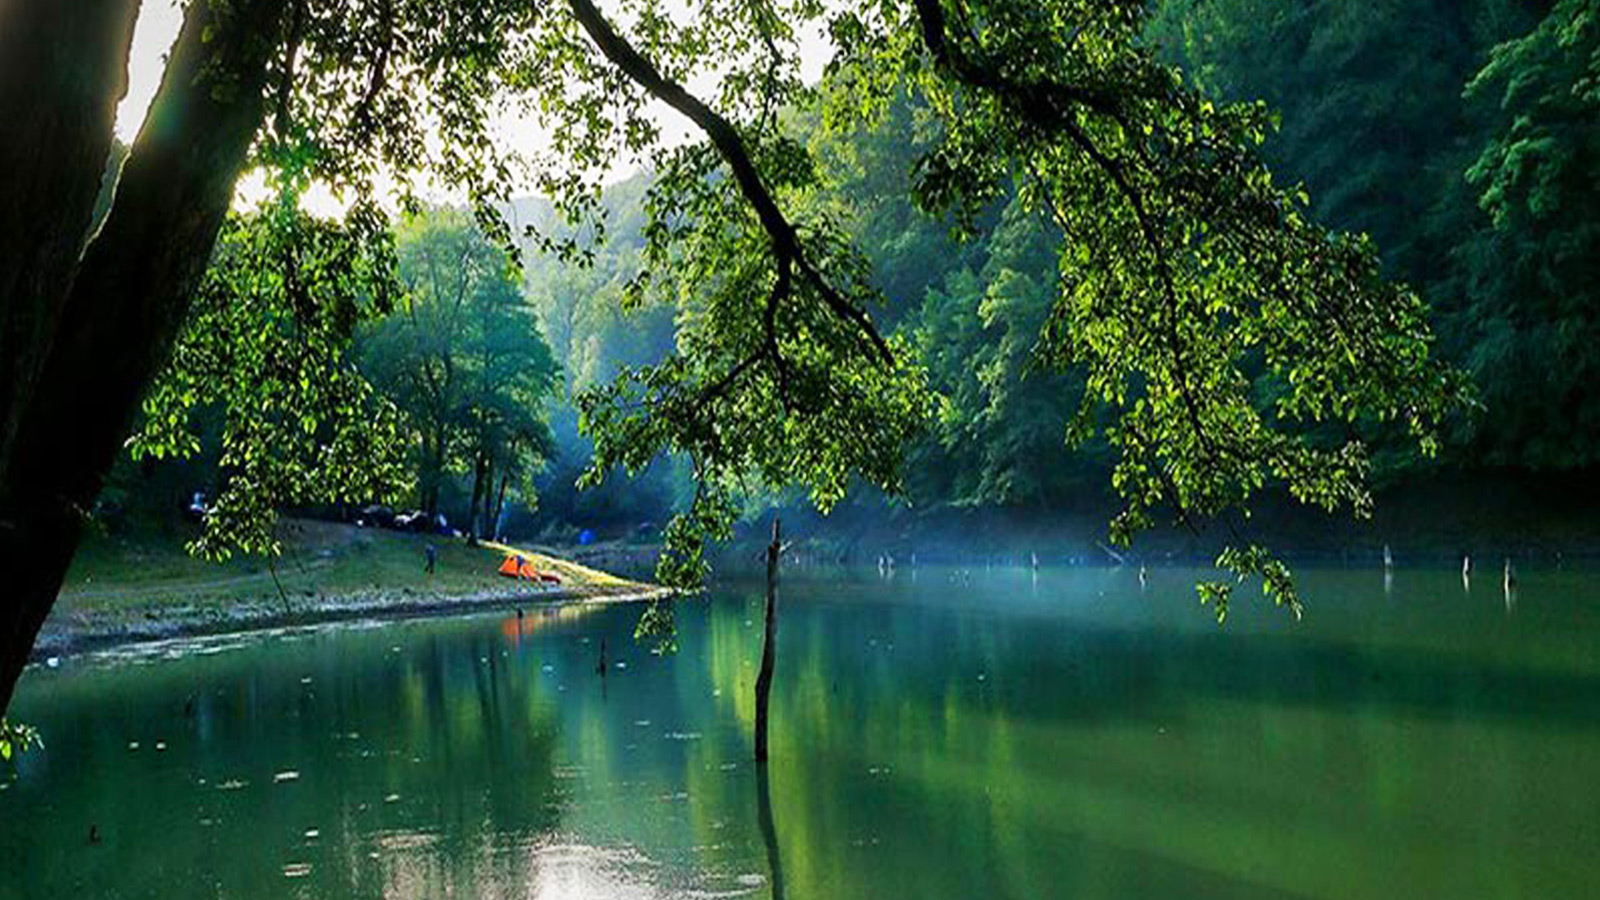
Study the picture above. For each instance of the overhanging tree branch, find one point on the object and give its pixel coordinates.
(730, 146)
(1050, 107)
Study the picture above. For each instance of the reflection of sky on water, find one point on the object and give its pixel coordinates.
(936, 734)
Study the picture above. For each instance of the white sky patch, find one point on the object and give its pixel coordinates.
(157, 28)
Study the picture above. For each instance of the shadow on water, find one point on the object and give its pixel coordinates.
(1081, 669)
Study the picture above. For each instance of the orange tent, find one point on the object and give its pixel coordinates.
(520, 567)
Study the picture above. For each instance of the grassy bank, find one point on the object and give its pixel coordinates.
(146, 586)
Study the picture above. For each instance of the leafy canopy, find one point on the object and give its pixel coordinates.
(1187, 274)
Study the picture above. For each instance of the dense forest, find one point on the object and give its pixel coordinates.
(1460, 139)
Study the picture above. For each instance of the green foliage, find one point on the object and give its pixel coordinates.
(1462, 137)
(1002, 432)
(265, 345)
(1117, 241)
(1277, 584)
(462, 356)
(1187, 273)
(1531, 275)
(15, 738)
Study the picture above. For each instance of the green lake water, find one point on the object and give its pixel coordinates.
(988, 735)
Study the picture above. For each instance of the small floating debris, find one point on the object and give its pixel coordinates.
(643, 723)
(312, 834)
(750, 880)
(207, 822)
(287, 775)
(306, 680)
(982, 677)
(391, 798)
(621, 664)
(133, 745)
(547, 668)
(53, 662)
(296, 870)
(161, 746)
(683, 735)
(232, 784)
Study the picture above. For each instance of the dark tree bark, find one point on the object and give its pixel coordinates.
(768, 650)
(432, 470)
(480, 471)
(63, 70)
(499, 505)
(124, 306)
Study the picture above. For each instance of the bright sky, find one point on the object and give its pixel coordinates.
(158, 25)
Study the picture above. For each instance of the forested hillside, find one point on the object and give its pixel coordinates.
(1461, 139)
(1464, 138)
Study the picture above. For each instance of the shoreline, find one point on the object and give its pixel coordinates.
(70, 635)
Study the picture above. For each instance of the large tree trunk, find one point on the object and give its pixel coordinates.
(499, 505)
(768, 650)
(432, 471)
(63, 68)
(127, 301)
(480, 471)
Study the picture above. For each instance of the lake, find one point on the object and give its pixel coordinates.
(937, 734)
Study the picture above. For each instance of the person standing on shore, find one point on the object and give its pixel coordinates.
(431, 555)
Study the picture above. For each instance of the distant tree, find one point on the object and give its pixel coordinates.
(1530, 315)
(462, 356)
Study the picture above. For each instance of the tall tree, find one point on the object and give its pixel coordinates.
(462, 356)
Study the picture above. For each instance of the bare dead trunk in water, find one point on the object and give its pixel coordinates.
(121, 309)
(764, 678)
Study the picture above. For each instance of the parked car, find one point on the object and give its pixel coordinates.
(377, 516)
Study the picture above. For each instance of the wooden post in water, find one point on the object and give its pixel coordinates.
(764, 679)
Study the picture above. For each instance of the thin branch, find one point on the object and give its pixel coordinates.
(730, 146)
(380, 69)
(286, 83)
(1049, 107)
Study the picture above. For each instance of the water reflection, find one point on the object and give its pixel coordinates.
(769, 831)
(1018, 734)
